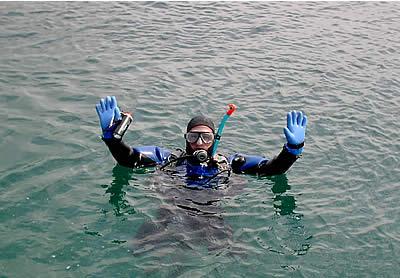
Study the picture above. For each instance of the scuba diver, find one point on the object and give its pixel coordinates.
(199, 161)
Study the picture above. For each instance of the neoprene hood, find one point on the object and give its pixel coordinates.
(200, 120)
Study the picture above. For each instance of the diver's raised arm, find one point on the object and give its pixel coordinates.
(295, 135)
(113, 124)
(110, 117)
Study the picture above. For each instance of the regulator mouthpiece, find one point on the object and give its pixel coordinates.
(201, 155)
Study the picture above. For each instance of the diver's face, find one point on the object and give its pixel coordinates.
(200, 144)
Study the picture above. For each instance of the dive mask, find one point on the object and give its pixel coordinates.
(206, 137)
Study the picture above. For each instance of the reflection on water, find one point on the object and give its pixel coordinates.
(283, 204)
(121, 176)
(294, 238)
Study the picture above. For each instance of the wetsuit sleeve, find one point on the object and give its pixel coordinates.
(144, 156)
(247, 164)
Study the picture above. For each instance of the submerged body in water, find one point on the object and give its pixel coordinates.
(193, 220)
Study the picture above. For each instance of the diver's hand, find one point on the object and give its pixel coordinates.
(295, 131)
(108, 112)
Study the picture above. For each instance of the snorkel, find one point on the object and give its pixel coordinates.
(229, 112)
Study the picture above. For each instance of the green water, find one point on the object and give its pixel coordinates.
(67, 210)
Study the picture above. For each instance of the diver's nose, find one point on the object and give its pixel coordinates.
(199, 141)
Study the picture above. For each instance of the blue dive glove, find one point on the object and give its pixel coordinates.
(295, 132)
(108, 112)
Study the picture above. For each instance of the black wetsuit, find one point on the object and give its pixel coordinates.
(147, 156)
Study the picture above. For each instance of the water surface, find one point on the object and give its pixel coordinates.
(67, 210)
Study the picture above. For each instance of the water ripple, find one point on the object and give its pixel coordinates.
(335, 212)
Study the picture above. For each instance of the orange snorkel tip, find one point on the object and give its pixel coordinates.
(232, 108)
